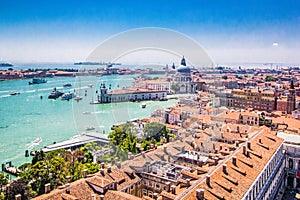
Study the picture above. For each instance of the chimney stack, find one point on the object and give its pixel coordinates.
(94, 197)
(208, 180)
(108, 169)
(248, 144)
(216, 161)
(101, 197)
(47, 188)
(85, 173)
(18, 197)
(221, 147)
(224, 167)
(118, 164)
(68, 178)
(155, 195)
(260, 141)
(237, 143)
(165, 149)
(129, 156)
(173, 189)
(245, 150)
(168, 186)
(234, 160)
(102, 165)
(200, 194)
(188, 182)
(102, 172)
(68, 188)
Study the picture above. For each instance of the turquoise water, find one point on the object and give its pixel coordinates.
(25, 117)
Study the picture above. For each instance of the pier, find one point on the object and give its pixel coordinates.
(78, 141)
(10, 169)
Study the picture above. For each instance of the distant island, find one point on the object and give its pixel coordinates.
(96, 63)
(5, 65)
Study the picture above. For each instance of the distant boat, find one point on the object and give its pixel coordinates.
(67, 85)
(90, 85)
(14, 93)
(55, 94)
(87, 112)
(78, 98)
(143, 105)
(37, 81)
(67, 96)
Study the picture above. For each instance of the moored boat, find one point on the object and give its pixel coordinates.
(14, 93)
(67, 85)
(143, 105)
(55, 94)
(78, 98)
(67, 96)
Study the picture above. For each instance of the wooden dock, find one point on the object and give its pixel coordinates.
(10, 169)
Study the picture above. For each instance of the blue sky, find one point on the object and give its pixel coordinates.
(230, 31)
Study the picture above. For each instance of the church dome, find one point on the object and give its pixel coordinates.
(183, 69)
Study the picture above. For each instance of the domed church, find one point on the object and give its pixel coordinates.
(181, 80)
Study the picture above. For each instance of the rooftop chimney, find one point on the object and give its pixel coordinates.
(155, 195)
(208, 180)
(108, 169)
(248, 144)
(102, 165)
(102, 172)
(221, 147)
(101, 197)
(68, 188)
(47, 188)
(173, 189)
(165, 149)
(18, 197)
(234, 160)
(216, 161)
(188, 182)
(118, 164)
(85, 173)
(237, 143)
(168, 185)
(260, 141)
(129, 156)
(93, 196)
(200, 194)
(68, 178)
(224, 167)
(245, 150)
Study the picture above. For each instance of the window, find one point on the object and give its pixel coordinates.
(291, 163)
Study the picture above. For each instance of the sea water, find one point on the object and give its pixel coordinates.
(27, 116)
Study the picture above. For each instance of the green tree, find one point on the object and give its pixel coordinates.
(117, 135)
(156, 131)
(175, 87)
(3, 181)
(17, 187)
(270, 78)
(225, 77)
(39, 155)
